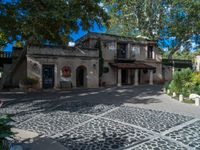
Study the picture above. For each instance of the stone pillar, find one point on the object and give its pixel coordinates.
(136, 76)
(151, 77)
(119, 77)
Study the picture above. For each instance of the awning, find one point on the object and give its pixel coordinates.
(134, 65)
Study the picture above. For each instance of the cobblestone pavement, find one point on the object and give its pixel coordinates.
(107, 118)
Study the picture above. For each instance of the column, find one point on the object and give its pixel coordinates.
(129, 76)
(151, 77)
(136, 76)
(119, 77)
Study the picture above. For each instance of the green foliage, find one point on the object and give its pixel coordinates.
(5, 130)
(157, 19)
(3, 40)
(29, 81)
(46, 20)
(135, 17)
(195, 82)
(166, 85)
(185, 82)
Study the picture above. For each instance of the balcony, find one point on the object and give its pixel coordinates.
(179, 63)
(5, 58)
(124, 59)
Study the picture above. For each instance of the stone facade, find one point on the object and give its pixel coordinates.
(125, 61)
(58, 67)
(148, 65)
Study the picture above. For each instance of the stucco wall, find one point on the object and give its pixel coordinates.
(44, 56)
(109, 78)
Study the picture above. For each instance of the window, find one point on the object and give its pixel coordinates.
(135, 51)
(121, 50)
(111, 46)
(150, 52)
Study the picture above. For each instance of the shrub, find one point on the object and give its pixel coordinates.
(181, 82)
(166, 85)
(195, 83)
(29, 81)
(5, 130)
(173, 86)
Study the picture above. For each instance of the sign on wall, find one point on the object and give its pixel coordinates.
(66, 72)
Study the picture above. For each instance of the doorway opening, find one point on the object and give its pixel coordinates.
(48, 76)
(124, 76)
(81, 76)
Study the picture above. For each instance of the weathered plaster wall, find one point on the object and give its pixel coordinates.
(64, 57)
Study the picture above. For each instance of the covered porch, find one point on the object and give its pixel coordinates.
(134, 73)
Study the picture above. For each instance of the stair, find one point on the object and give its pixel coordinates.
(7, 75)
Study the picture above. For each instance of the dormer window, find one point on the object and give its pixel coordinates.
(150, 52)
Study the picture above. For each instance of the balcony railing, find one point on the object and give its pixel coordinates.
(4, 54)
(177, 63)
(125, 60)
(5, 58)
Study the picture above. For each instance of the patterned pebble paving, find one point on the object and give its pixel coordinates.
(159, 144)
(54, 122)
(102, 134)
(84, 107)
(26, 110)
(189, 135)
(153, 120)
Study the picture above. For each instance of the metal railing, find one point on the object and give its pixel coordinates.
(4, 54)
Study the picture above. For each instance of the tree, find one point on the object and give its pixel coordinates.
(184, 23)
(3, 41)
(48, 20)
(136, 17)
(157, 19)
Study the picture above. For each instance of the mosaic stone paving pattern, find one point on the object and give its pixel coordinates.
(153, 120)
(102, 134)
(84, 107)
(159, 144)
(189, 135)
(26, 110)
(54, 122)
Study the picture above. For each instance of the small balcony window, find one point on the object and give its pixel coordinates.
(121, 50)
(150, 52)
(135, 51)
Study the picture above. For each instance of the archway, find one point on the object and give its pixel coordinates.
(81, 76)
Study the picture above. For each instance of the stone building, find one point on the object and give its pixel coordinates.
(126, 61)
(58, 67)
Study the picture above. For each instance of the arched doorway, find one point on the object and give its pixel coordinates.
(81, 76)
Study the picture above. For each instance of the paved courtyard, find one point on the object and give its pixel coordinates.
(129, 117)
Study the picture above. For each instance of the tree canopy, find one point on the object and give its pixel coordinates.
(48, 20)
(157, 19)
(136, 17)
